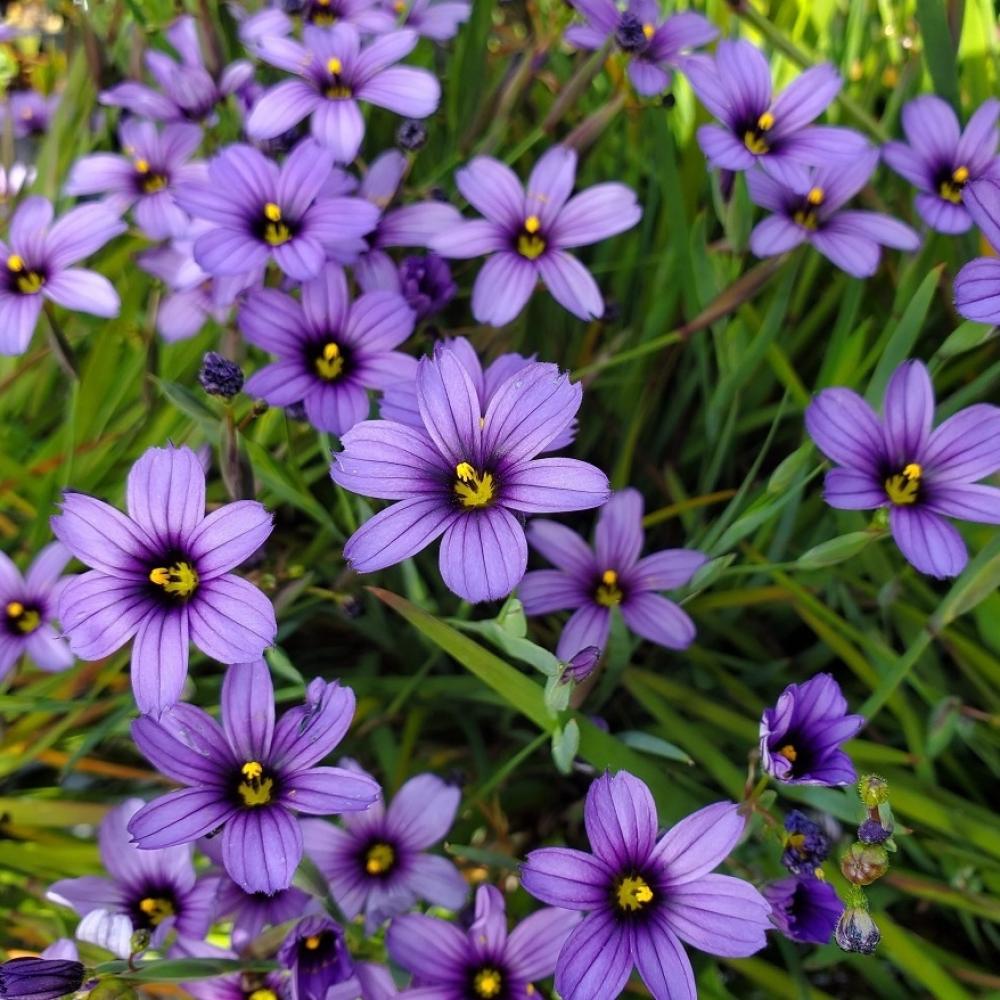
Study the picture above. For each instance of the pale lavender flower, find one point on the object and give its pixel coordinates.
(977, 285)
(424, 280)
(29, 113)
(526, 233)
(437, 20)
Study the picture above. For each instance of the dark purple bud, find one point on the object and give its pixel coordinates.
(582, 664)
(411, 135)
(856, 931)
(39, 978)
(219, 376)
(426, 284)
(873, 832)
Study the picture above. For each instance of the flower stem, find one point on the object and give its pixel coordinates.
(60, 345)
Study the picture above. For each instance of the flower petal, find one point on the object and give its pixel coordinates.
(231, 620)
(596, 960)
(547, 590)
(534, 945)
(398, 532)
(503, 286)
(662, 962)
(908, 412)
(566, 878)
(423, 810)
(261, 848)
(493, 190)
(658, 620)
(229, 536)
(851, 489)
(103, 537)
(432, 949)
(160, 659)
(929, 543)
(844, 427)
(587, 626)
(248, 710)
(699, 842)
(571, 284)
(620, 817)
(562, 547)
(306, 734)
(966, 447)
(166, 494)
(483, 555)
(179, 817)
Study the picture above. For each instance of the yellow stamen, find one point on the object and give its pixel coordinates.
(26, 620)
(649, 30)
(789, 753)
(766, 121)
(532, 224)
(474, 489)
(399, 6)
(330, 363)
(379, 859)
(530, 244)
(334, 66)
(15, 609)
(608, 593)
(157, 910)
(15, 263)
(256, 789)
(904, 488)
(142, 166)
(633, 893)
(960, 175)
(815, 196)
(312, 942)
(487, 983)
(272, 212)
(181, 579)
(263, 994)
(276, 231)
(609, 577)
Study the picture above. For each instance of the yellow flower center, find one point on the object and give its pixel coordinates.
(276, 231)
(337, 88)
(487, 983)
(156, 909)
(608, 592)
(330, 362)
(530, 243)
(255, 788)
(649, 30)
(474, 489)
(379, 858)
(27, 282)
(313, 942)
(951, 187)
(263, 994)
(24, 619)
(180, 580)
(789, 753)
(806, 216)
(633, 893)
(151, 182)
(399, 6)
(755, 138)
(903, 488)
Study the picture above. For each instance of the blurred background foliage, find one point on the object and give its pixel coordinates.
(696, 381)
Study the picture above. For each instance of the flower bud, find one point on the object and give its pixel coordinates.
(39, 978)
(873, 790)
(873, 832)
(219, 376)
(581, 665)
(139, 941)
(862, 864)
(411, 134)
(856, 931)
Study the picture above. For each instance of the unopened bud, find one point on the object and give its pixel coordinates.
(219, 376)
(139, 941)
(873, 790)
(862, 864)
(856, 931)
(39, 978)
(873, 832)
(581, 665)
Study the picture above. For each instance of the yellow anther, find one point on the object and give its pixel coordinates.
(15, 609)
(399, 6)
(465, 472)
(330, 362)
(252, 769)
(156, 909)
(609, 577)
(815, 196)
(904, 488)
(789, 753)
(263, 994)
(608, 593)
(820, 874)
(334, 66)
(913, 471)
(142, 166)
(379, 859)
(649, 30)
(487, 983)
(532, 224)
(312, 942)
(15, 263)
(474, 489)
(255, 790)
(960, 175)
(633, 893)
(765, 122)
(331, 351)
(181, 579)
(272, 212)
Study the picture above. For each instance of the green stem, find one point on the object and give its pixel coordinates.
(60, 345)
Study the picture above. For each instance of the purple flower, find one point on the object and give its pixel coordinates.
(193, 296)
(423, 280)
(156, 890)
(335, 72)
(800, 737)
(37, 258)
(806, 845)
(484, 962)
(804, 909)
(331, 350)
(591, 583)
(365, 15)
(409, 226)
(646, 896)
(251, 912)
(235, 986)
(161, 574)
(527, 233)
(400, 402)
(437, 20)
(654, 44)
(29, 113)
(466, 475)
(189, 92)
(39, 978)
(977, 285)
(922, 475)
(146, 176)
(316, 955)
(28, 605)
(249, 775)
(807, 206)
(940, 160)
(262, 211)
(377, 862)
(756, 126)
